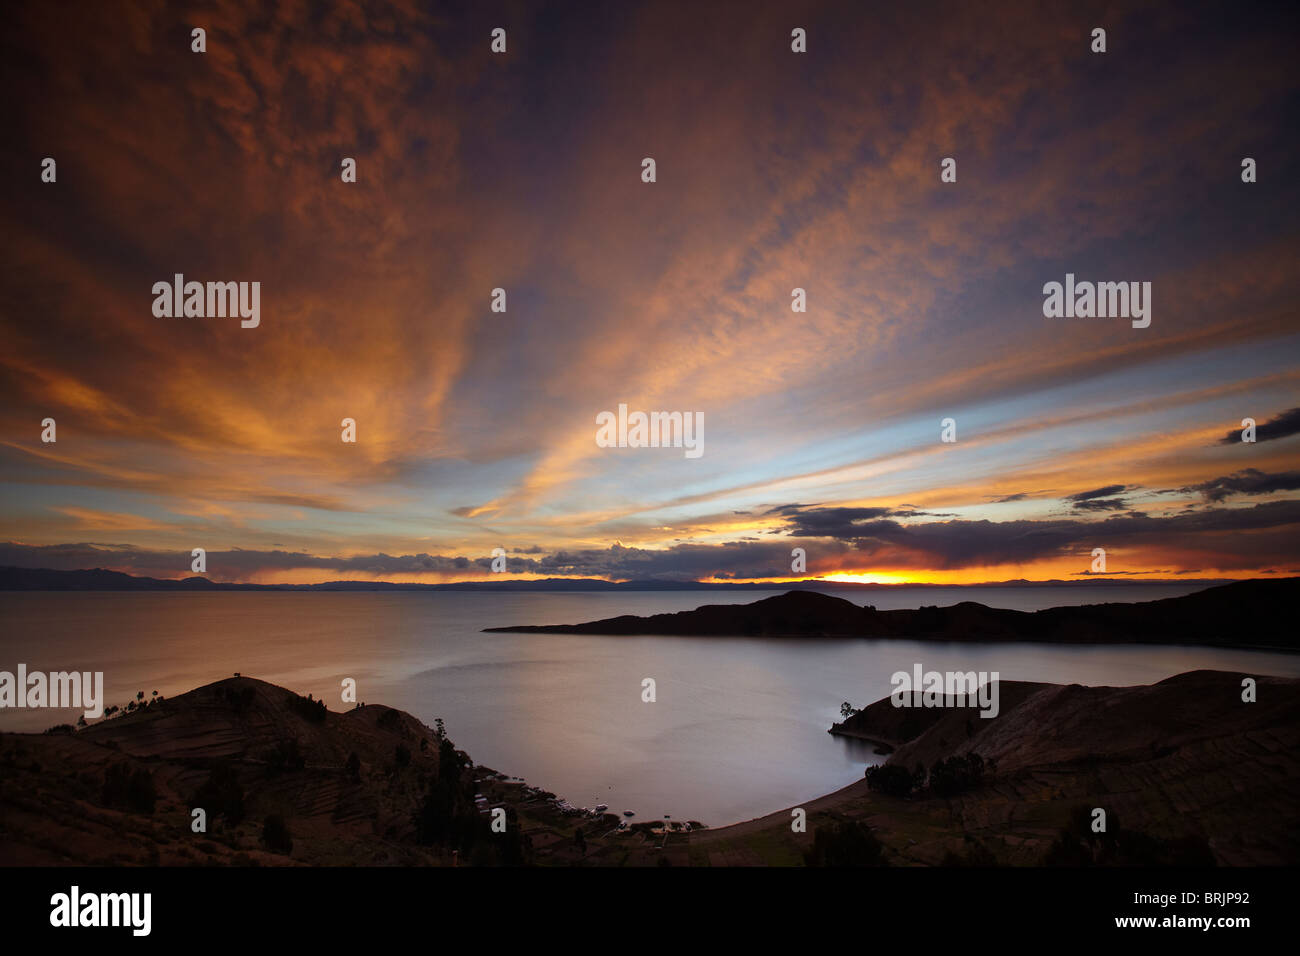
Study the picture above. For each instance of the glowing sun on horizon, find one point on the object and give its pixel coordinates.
(869, 577)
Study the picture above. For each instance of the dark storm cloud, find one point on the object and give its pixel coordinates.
(1101, 504)
(1239, 537)
(1105, 492)
(808, 521)
(1250, 481)
(956, 544)
(1287, 423)
(1098, 499)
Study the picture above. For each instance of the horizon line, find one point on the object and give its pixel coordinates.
(575, 583)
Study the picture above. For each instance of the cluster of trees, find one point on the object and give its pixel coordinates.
(130, 707)
(221, 794)
(848, 843)
(976, 854)
(447, 817)
(275, 834)
(947, 778)
(1077, 844)
(285, 755)
(239, 698)
(956, 775)
(124, 788)
(895, 780)
(306, 708)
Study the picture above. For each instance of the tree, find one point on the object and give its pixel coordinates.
(353, 767)
(447, 815)
(222, 794)
(890, 779)
(141, 795)
(285, 755)
(847, 710)
(849, 843)
(134, 791)
(308, 709)
(1078, 845)
(276, 836)
(956, 775)
(977, 854)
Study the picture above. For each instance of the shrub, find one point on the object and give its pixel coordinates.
(276, 836)
(977, 854)
(447, 815)
(124, 789)
(142, 795)
(285, 755)
(308, 709)
(956, 775)
(891, 780)
(1077, 845)
(222, 794)
(846, 844)
(239, 698)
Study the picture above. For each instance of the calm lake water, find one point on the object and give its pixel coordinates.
(738, 729)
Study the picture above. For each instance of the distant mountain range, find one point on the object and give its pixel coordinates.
(99, 579)
(1251, 613)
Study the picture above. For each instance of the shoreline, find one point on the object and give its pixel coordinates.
(1154, 754)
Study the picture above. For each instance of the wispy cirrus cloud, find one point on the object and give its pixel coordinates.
(776, 171)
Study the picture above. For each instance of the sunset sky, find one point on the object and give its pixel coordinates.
(775, 170)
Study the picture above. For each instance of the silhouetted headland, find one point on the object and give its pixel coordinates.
(1255, 614)
(1187, 771)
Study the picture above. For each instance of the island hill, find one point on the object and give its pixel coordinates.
(1187, 772)
(1254, 613)
(282, 781)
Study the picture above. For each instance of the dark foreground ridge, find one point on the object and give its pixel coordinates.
(1186, 771)
(283, 781)
(1256, 613)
